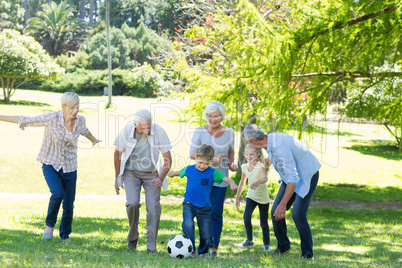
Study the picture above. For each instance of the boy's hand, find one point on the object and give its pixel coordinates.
(233, 186)
(171, 174)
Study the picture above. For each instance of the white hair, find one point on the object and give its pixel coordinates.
(70, 99)
(253, 132)
(142, 115)
(214, 106)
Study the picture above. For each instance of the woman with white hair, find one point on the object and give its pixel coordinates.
(221, 138)
(58, 155)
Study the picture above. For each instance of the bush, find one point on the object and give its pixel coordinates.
(142, 82)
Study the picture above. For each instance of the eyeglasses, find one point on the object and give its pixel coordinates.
(214, 117)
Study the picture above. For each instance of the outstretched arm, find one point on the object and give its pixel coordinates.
(91, 137)
(174, 174)
(10, 118)
(231, 182)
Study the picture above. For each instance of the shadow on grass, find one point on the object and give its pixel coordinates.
(25, 103)
(379, 148)
(325, 131)
(356, 192)
(339, 236)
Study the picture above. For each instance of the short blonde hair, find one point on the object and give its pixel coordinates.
(214, 106)
(70, 99)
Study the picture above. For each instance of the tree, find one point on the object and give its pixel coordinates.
(11, 15)
(129, 46)
(96, 48)
(275, 63)
(380, 101)
(57, 29)
(23, 59)
(157, 15)
(82, 9)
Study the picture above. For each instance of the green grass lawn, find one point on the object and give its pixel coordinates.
(359, 165)
(342, 237)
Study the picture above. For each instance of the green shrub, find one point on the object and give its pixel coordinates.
(142, 82)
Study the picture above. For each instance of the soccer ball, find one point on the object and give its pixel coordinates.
(179, 246)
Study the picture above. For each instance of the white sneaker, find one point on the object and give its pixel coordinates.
(267, 248)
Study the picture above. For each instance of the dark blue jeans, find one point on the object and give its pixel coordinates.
(203, 215)
(217, 199)
(299, 215)
(62, 186)
(248, 212)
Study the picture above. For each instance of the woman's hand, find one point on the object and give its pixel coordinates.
(218, 157)
(95, 142)
(233, 167)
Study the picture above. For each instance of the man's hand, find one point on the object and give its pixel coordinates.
(117, 188)
(280, 212)
(157, 182)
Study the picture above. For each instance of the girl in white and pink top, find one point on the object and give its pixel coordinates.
(58, 154)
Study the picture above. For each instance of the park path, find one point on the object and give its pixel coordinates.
(316, 203)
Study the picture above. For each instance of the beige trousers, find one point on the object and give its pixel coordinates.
(133, 180)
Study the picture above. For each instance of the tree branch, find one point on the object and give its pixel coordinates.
(355, 74)
(341, 25)
(363, 18)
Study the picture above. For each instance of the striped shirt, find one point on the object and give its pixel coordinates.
(59, 146)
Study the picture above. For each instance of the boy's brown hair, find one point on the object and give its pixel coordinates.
(205, 151)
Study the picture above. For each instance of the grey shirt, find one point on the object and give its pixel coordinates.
(140, 158)
(222, 145)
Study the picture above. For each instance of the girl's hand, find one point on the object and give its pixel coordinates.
(255, 185)
(238, 204)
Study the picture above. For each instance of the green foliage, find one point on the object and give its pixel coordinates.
(23, 59)
(156, 15)
(11, 15)
(129, 46)
(96, 48)
(276, 63)
(142, 81)
(381, 101)
(146, 82)
(70, 64)
(57, 29)
(144, 43)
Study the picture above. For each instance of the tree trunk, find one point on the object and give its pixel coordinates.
(91, 12)
(26, 17)
(82, 9)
